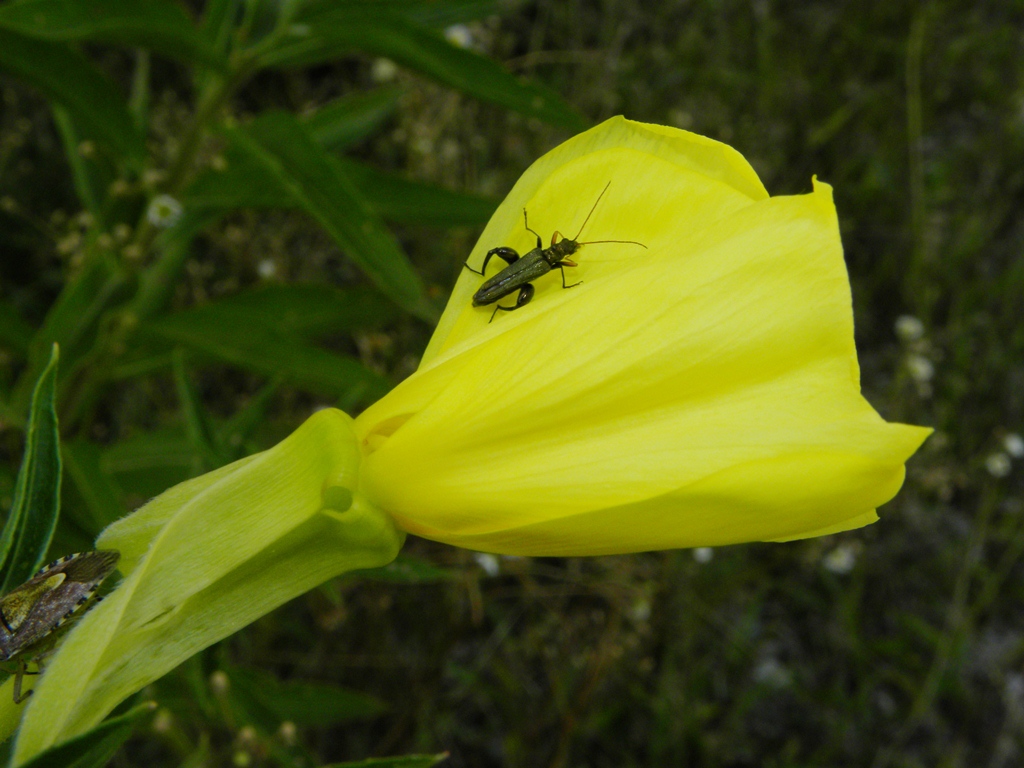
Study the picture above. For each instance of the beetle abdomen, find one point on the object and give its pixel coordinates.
(513, 277)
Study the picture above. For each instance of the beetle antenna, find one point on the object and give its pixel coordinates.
(592, 210)
(594, 242)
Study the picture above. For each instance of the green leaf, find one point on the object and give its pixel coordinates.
(308, 309)
(71, 321)
(93, 175)
(269, 701)
(449, 12)
(345, 122)
(408, 569)
(33, 517)
(161, 26)
(218, 20)
(149, 463)
(402, 201)
(375, 30)
(430, 12)
(405, 761)
(286, 156)
(246, 184)
(69, 78)
(101, 495)
(197, 425)
(158, 282)
(265, 349)
(233, 433)
(15, 333)
(95, 748)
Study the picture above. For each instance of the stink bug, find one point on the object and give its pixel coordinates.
(32, 614)
(523, 270)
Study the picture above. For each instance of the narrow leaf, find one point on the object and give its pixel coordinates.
(269, 701)
(441, 15)
(15, 333)
(197, 426)
(33, 517)
(71, 321)
(308, 309)
(248, 184)
(233, 434)
(405, 761)
(284, 151)
(175, 246)
(69, 78)
(430, 12)
(95, 748)
(92, 176)
(149, 463)
(409, 569)
(266, 350)
(219, 18)
(161, 26)
(376, 30)
(245, 182)
(95, 486)
(403, 201)
(345, 122)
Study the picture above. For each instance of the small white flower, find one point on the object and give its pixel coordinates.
(1013, 696)
(773, 672)
(266, 268)
(488, 563)
(998, 464)
(1014, 445)
(460, 35)
(163, 211)
(909, 328)
(703, 554)
(384, 70)
(841, 560)
(920, 367)
(680, 118)
(640, 611)
(886, 703)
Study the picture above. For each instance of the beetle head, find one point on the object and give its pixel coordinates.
(561, 249)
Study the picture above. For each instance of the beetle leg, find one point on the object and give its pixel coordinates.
(556, 234)
(525, 294)
(18, 677)
(506, 254)
(562, 265)
(540, 244)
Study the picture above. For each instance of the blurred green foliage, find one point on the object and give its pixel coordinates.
(333, 162)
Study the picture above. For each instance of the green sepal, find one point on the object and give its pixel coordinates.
(206, 558)
(95, 748)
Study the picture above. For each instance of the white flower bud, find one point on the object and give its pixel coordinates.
(909, 328)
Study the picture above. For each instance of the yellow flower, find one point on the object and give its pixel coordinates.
(700, 391)
(703, 390)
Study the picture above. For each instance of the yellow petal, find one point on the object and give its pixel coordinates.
(701, 391)
(654, 174)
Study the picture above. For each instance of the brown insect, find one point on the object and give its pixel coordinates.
(32, 614)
